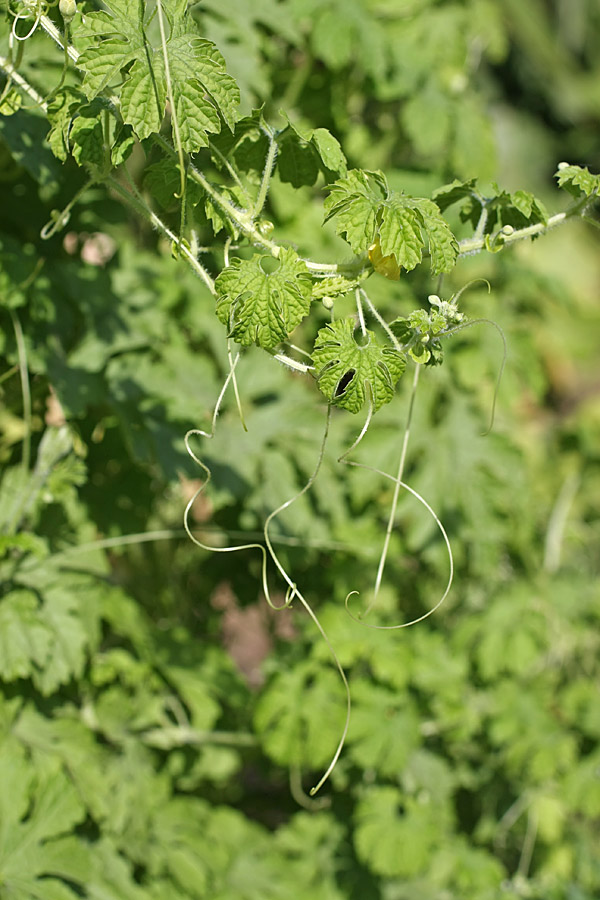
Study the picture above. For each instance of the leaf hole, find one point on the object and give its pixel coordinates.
(344, 382)
(269, 264)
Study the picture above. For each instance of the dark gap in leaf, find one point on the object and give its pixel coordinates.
(344, 382)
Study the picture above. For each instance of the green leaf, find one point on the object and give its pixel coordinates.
(454, 192)
(46, 642)
(304, 152)
(24, 638)
(529, 206)
(202, 89)
(344, 367)
(366, 211)
(333, 286)
(123, 144)
(87, 137)
(578, 181)
(66, 653)
(354, 201)
(329, 149)
(384, 729)
(11, 102)
(163, 181)
(61, 112)
(297, 162)
(38, 810)
(396, 835)
(300, 716)
(24, 136)
(443, 246)
(404, 221)
(400, 233)
(263, 306)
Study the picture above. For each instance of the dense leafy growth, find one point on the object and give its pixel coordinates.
(160, 725)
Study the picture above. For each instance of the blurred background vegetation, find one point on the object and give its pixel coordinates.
(157, 723)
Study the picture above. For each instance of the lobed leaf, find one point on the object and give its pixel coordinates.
(443, 246)
(454, 192)
(395, 835)
(39, 809)
(260, 306)
(87, 136)
(345, 368)
(354, 201)
(303, 152)
(578, 181)
(392, 226)
(400, 233)
(115, 42)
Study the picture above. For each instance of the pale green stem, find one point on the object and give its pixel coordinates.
(182, 735)
(174, 119)
(479, 231)
(51, 30)
(377, 315)
(234, 175)
(528, 843)
(266, 176)
(359, 310)
(397, 485)
(138, 203)
(9, 373)
(289, 362)
(289, 503)
(57, 224)
(24, 85)
(475, 244)
(557, 522)
(147, 537)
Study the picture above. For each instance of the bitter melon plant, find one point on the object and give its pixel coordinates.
(172, 239)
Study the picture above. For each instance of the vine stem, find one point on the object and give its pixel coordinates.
(397, 485)
(242, 219)
(135, 200)
(53, 32)
(476, 243)
(266, 176)
(185, 735)
(174, 118)
(21, 82)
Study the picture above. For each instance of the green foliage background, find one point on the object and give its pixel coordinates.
(153, 715)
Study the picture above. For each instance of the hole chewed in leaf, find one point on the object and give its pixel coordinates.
(344, 382)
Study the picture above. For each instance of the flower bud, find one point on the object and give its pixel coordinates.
(67, 8)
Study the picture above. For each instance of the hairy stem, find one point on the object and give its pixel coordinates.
(174, 118)
(266, 176)
(138, 203)
(22, 83)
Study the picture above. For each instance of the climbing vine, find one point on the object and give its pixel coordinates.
(141, 105)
